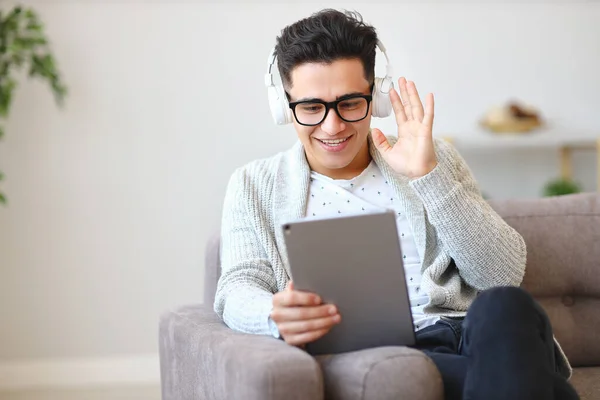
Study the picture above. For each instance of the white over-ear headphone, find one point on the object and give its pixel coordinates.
(280, 109)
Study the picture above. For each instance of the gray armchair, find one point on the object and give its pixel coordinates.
(201, 358)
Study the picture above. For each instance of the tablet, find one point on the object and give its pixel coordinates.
(354, 262)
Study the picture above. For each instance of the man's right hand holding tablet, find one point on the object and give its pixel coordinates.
(301, 317)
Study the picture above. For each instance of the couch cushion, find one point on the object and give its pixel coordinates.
(563, 264)
(587, 382)
(381, 373)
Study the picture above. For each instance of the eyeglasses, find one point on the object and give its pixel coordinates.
(353, 108)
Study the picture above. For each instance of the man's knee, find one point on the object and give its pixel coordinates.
(510, 294)
(505, 302)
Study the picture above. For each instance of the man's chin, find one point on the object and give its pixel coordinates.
(335, 165)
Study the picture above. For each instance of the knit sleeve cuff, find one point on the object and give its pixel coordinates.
(249, 312)
(434, 187)
(274, 329)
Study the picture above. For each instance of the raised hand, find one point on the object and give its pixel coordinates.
(413, 154)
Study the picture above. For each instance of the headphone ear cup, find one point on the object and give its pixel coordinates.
(279, 105)
(382, 105)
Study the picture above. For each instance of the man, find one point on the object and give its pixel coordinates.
(459, 254)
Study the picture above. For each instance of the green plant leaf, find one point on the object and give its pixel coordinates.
(44, 66)
(33, 20)
(34, 27)
(11, 22)
(561, 187)
(3, 199)
(24, 45)
(31, 14)
(6, 91)
(28, 43)
(1, 131)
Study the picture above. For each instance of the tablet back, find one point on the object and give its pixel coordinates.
(354, 262)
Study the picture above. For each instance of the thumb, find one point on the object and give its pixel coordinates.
(380, 141)
(290, 286)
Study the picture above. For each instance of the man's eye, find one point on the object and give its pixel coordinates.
(351, 104)
(311, 108)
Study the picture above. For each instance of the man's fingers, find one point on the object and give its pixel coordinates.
(293, 298)
(398, 107)
(299, 327)
(415, 101)
(303, 338)
(380, 141)
(286, 314)
(405, 98)
(429, 113)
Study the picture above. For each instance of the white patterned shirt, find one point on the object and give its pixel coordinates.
(369, 192)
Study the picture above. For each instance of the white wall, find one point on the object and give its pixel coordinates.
(112, 198)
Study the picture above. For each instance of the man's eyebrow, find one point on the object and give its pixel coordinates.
(344, 96)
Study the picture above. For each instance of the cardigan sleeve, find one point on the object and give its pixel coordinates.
(487, 251)
(245, 289)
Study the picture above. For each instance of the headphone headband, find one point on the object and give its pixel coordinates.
(269, 75)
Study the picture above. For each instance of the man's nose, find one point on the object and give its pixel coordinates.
(333, 124)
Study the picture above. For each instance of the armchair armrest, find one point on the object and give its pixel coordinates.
(202, 358)
(391, 372)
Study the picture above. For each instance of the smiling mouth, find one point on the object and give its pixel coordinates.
(334, 142)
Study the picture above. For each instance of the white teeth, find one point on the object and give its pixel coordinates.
(333, 142)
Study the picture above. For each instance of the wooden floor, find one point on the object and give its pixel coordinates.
(105, 393)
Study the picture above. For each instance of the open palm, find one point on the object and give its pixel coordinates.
(413, 154)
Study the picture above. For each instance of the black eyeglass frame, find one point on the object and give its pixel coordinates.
(333, 104)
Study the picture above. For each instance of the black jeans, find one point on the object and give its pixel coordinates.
(503, 349)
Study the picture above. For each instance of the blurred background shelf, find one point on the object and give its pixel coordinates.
(567, 144)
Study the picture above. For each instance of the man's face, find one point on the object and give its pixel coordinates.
(330, 82)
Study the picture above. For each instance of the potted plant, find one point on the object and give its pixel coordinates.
(560, 187)
(24, 46)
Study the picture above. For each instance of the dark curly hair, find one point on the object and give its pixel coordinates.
(324, 37)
